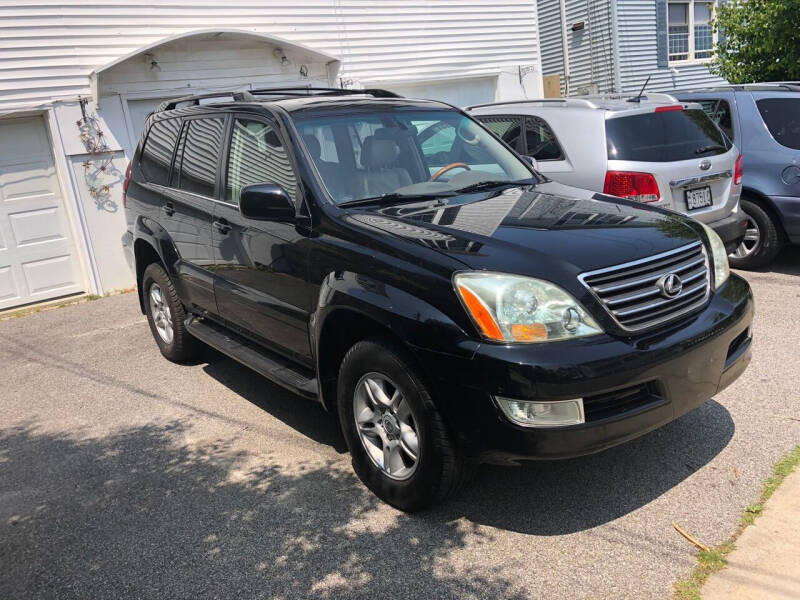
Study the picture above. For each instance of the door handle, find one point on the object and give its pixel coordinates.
(169, 209)
(222, 226)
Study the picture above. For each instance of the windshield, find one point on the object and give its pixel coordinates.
(405, 151)
(664, 136)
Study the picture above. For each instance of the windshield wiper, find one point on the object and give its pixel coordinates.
(493, 184)
(704, 149)
(393, 198)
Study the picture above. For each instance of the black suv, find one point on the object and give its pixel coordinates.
(448, 302)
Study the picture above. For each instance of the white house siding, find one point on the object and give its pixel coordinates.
(638, 53)
(48, 49)
(550, 38)
(591, 57)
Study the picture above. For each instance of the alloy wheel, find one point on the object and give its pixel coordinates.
(751, 242)
(162, 317)
(385, 425)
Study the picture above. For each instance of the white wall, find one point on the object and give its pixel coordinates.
(48, 49)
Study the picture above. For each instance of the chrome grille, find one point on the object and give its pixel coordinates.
(631, 295)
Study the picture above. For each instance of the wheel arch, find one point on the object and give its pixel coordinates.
(769, 207)
(352, 307)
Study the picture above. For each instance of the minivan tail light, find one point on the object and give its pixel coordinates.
(668, 108)
(125, 185)
(641, 187)
(738, 171)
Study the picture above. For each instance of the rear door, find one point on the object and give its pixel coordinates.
(690, 158)
(261, 266)
(188, 207)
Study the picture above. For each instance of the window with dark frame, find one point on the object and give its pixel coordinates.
(157, 151)
(201, 147)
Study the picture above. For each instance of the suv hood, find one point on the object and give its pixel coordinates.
(534, 230)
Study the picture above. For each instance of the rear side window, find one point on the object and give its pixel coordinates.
(157, 151)
(201, 148)
(664, 136)
(540, 141)
(719, 111)
(257, 156)
(508, 129)
(782, 117)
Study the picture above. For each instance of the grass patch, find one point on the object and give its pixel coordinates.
(710, 562)
(79, 299)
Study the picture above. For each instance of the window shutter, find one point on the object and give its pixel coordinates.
(661, 34)
(720, 31)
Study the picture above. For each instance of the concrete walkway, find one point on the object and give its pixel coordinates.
(766, 562)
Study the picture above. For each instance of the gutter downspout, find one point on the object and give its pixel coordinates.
(565, 45)
(615, 60)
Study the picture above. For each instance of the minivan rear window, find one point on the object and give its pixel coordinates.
(782, 117)
(664, 136)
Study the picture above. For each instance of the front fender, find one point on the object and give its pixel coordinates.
(416, 322)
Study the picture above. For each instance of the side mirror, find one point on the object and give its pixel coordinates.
(531, 161)
(266, 202)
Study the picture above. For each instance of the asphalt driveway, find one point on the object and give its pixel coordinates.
(123, 475)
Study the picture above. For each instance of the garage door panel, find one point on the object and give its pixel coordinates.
(26, 141)
(28, 182)
(8, 285)
(49, 275)
(36, 226)
(37, 255)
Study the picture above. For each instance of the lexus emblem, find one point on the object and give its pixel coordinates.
(670, 285)
(705, 164)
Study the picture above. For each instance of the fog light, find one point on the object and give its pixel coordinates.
(542, 414)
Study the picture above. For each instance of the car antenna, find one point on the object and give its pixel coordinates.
(641, 91)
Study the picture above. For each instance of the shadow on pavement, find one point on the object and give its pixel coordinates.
(787, 262)
(541, 498)
(139, 514)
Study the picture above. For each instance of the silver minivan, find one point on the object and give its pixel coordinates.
(651, 149)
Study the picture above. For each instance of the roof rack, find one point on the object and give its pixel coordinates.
(240, 96)
(647, 96)
(569, 101)
(323, 91)
(250, 95)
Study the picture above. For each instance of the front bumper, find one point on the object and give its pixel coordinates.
(679, 368)
(731, 230)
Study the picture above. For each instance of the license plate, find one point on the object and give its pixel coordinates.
(698, 198)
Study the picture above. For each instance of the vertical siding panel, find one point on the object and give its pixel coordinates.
(639, 53)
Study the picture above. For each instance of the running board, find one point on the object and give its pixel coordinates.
(271, 366)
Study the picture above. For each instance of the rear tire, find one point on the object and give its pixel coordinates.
(762, 240)
(166, 316)
(427, 467)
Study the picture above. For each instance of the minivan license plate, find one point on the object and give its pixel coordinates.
(698, 198)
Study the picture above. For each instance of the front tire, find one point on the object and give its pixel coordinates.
(761, 241)
(400, 447)
(166, 316)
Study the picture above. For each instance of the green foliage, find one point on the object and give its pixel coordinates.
(761, 41)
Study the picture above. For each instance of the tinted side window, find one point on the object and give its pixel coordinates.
(719, 111)
(540, 141)
(201, 149)
(257, 156)
(782, 117)
(157, 151)
(664, 136)
(507, 129)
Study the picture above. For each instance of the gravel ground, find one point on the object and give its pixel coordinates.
(123, 475)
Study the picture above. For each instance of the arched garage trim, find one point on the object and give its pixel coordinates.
(332, 63)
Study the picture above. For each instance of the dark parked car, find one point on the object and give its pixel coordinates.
(764, 122)
(446, 301)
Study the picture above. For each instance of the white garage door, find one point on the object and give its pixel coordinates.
(37, 254)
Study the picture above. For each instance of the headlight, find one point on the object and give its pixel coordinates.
(512, 308)
(719, 257)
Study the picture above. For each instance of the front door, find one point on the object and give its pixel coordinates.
(261, 268)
